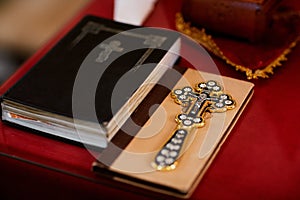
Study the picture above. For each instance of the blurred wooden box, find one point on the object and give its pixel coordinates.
(247, 19)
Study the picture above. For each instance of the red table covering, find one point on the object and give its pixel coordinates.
(259, 160)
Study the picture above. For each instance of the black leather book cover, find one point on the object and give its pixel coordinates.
(102, 46)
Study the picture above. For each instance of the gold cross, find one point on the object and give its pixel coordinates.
(207, 97)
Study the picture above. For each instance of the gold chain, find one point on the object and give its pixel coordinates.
(206, 40)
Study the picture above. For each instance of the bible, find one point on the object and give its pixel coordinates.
(87, 85)
(167, 151)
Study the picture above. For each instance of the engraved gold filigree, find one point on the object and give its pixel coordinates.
(207, 41)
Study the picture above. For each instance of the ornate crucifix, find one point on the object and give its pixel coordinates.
(207, 97)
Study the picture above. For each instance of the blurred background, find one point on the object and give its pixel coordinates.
(25, 25)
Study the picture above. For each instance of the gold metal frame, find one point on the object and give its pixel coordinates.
(207, 41)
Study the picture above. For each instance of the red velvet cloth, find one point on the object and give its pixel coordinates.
(259, 160)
